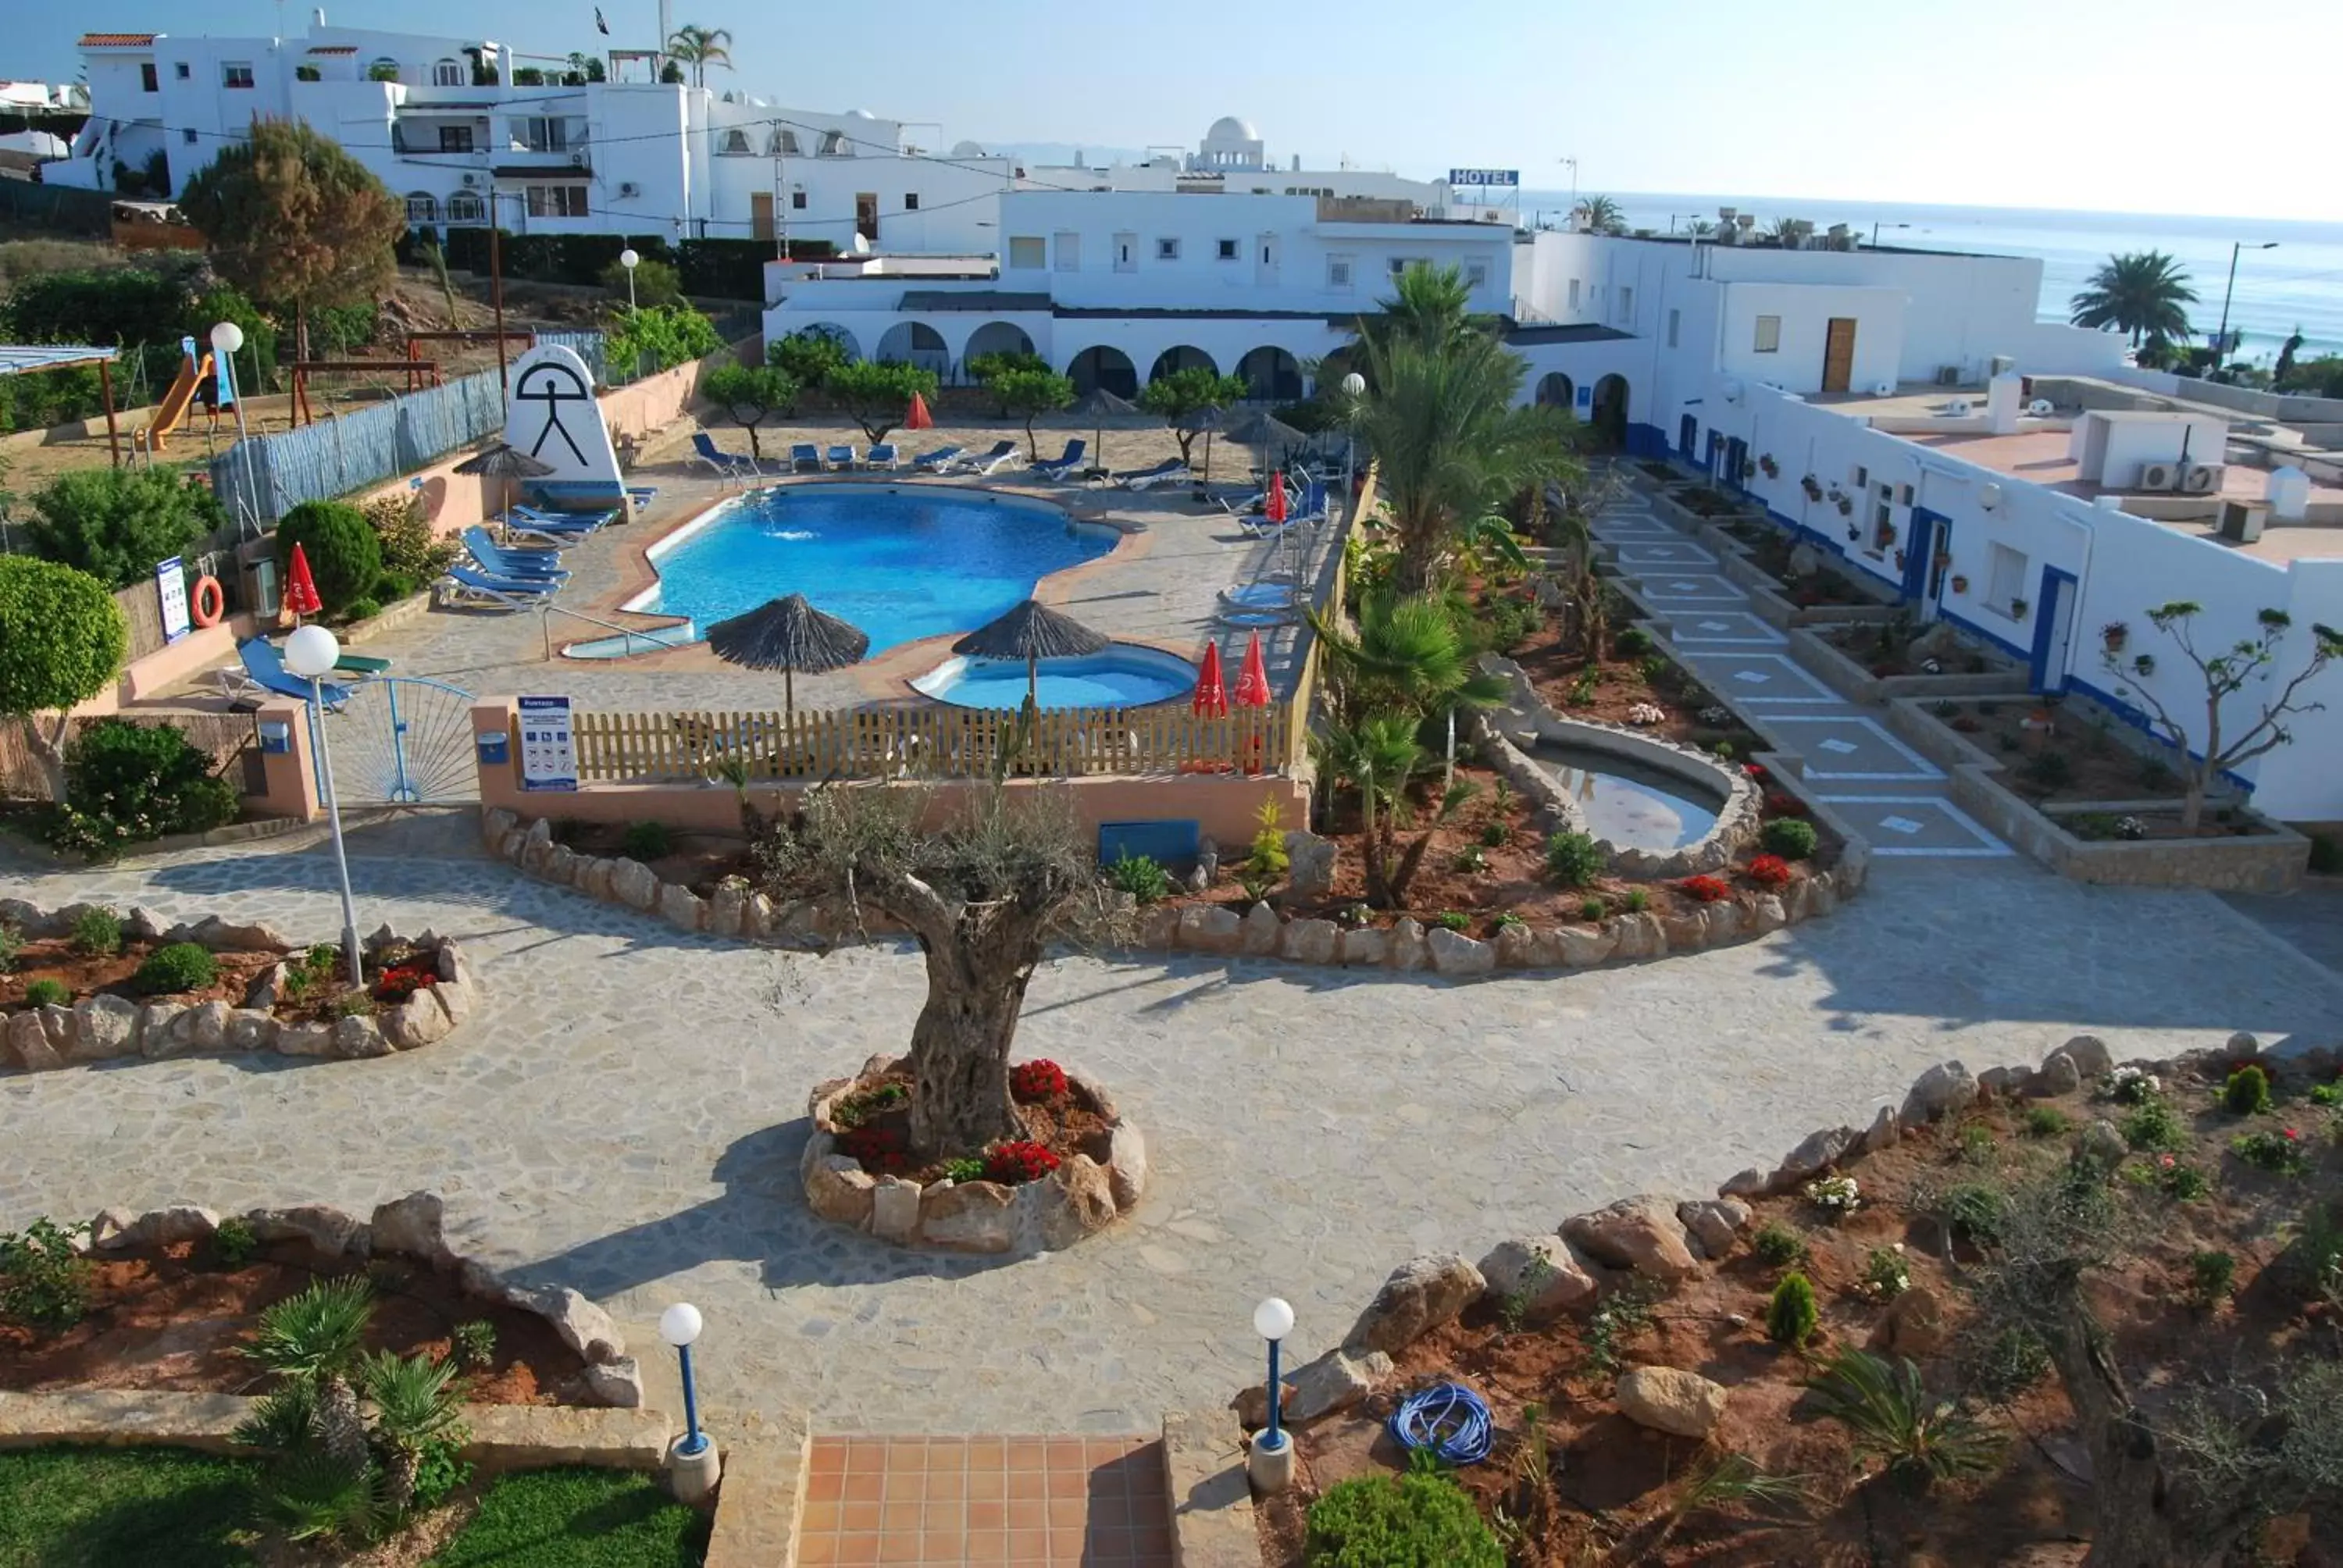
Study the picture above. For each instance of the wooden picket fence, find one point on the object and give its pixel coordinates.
(928, 742)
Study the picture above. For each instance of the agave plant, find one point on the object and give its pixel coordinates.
(1923, 1440)
(417, 1400)
(315, 1339)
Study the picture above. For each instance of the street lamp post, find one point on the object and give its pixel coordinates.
(1355, 386)
(1270, 1466)
(311, 653)
(692, 1464)
(227, 338)
(630, 259)
(2221, 338)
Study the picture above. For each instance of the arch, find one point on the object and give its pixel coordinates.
(1332, 366)
(913, 343)
(1271, 375)
(1554, 391)
(1182, 357)
(782, 144)
(379, 64)
(733, 142)
(446, 73)
(997, 338)
(1102, 368)
(835, 144)
(833, 331)
(1610, 421)
(422, 207)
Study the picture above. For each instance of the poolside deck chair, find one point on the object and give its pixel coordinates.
(1170, 471)
(521, 565)
(990, 462)
(727, 465)
(882, 455)
(539, 531)
(838, 459)
(938, 461)
(1065, 463)
(553, 519)
(805, 458)
(465, 585)
(1257, 525)
(262, 675)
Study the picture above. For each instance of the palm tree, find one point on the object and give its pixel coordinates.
(1599, 214)
(1429, 304)
(417, 1400)
(1406, 658)
(700, 47)
(1377, 756)
(1700, 228)
(2283, 371)
(315, 1339)
(2141, 293)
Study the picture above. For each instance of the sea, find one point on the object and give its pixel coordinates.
(2296, 286)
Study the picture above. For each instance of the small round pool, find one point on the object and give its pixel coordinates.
(1125, 675)
(1635, 808)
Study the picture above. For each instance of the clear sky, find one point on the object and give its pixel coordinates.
(2079, 104)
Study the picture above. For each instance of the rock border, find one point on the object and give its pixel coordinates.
(408, 1227)
(104, 1028)
(1083, 1197)
(1407, 946)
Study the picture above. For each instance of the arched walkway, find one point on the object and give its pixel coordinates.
(1182, 357)
(832, 330)
(1554, 391)
(914, 343)
(1271, 375)
(1103, 368)
(1610, 419)
(997, 338)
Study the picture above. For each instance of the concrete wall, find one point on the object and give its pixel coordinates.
(1805, 312)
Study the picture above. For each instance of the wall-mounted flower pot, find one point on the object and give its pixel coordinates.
(1960, 585)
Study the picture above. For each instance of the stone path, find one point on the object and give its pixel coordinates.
(626, 1113)
(1893, 796)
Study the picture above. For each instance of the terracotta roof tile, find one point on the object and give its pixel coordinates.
(115, 40)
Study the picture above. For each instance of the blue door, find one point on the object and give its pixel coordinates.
(2054, 630)
(1687, 432)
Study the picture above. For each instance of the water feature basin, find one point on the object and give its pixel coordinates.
(1632, 806)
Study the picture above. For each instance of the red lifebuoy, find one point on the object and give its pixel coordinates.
(209, 603)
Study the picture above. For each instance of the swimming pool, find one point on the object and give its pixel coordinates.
(901, 562)
(1123, 675)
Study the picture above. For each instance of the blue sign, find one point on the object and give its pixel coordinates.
(1507, 179)
(549, 746)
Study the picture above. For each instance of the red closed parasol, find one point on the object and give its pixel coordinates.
(919, 418)
(1211, 700)
(1275, 511)
(1252, 682)
(300, 587)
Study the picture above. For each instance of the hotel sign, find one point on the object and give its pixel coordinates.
(1508, 179)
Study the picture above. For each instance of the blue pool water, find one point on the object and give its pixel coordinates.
(1634, 807)
(1124, 676)
(900, 564)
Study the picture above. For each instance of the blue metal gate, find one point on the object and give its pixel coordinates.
(403, 741)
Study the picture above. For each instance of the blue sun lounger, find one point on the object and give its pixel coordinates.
(728, 464)
(464, 584)
(938, 461)
(805, 458)
(264, 676)
(523, 565)
(1059, 467)
(1170, 471)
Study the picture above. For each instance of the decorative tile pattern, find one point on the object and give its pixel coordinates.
(986, 1502)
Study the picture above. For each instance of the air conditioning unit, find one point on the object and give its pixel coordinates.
(471, 180)
(1949, 375)
(2159, 476)
(629, 188)
(1883, 390)
(1959, 408)
(2041, 408)
(2202, 480)
(578, 160)
(2241, 521)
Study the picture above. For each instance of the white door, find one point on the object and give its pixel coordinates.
(1264, 271)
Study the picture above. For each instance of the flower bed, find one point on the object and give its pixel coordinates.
(1874, 659)
(83, 984)
(1080, 1165)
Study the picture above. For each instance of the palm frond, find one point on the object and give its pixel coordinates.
(317, 1332)
(316, 1497)
(415, 1398)
(1890, 1413)
(283, 1420)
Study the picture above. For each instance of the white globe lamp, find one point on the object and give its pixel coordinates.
(227, 338)
(1273, 1319)
(311, 652)
(630, 259)
(680, 1326)
(1354, 384)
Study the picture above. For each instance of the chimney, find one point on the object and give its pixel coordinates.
(2001, 395)
(1297, 163)
(317, 18)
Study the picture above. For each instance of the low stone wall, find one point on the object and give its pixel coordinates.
(408, 1227)
(1082, 1196)
(106, 1028)
(1810, 647)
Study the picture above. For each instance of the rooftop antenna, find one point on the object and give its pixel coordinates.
(666, 31)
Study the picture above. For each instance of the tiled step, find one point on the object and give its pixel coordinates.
(994, 1501)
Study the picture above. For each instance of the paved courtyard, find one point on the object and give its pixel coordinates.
(626, 1113)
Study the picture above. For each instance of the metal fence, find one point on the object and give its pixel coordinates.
(230, 740)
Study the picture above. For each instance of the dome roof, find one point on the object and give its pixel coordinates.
(967, 150)
(860, 115)
(1230, 128)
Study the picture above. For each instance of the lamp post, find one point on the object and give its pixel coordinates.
(2221, 338)
(310, 653)
(630, 260)
(692, 1464)
(1355, 386)
(227, 338)
(1270, 1466)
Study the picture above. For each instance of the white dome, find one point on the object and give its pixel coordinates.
(1229, 128)
(966, 150)
(860, 115)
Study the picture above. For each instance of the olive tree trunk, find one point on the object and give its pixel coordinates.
(49, 750)
(980, 957)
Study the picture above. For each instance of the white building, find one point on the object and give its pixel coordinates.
(1232, 160)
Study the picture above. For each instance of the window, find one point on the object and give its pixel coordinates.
(1028, 250)
(781, 144)
(540, 133)
(1627, 307)
(182, 71)
(797, 201)
(834, 144)
(1882, 527)
(421, 208)
(2007, 580)
(1167, 250)
(1400, 263)
(448, 73)
(1862, 478)
(556, 201)
(733, 144)
(1476, 275)
(1769, 335)
(1573, 294)
(464, 207)
(1226, 249)
(148, 80)
(455, 139)
(1069, 246)
(236, 73)
(1126, 253)
(1676, 326)
(910, 201)
(1338, 272)
(188, 136)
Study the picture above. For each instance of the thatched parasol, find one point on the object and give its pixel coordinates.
(1261, 431)
(1095, 408)
(789, 634)
(504, 463)
(1032, 632)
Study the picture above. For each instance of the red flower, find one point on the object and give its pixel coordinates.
(1016, 1161)
(1770, 871)
(1782, 803)
(2291, 1133)
(1708, 889)
(1037, 1079)
(1754, 770)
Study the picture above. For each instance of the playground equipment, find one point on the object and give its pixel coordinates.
(172, 411)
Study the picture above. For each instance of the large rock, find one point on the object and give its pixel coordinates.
(633, 884)
(328, 1230)
(1071, 1202)
(2103, 1144)
(2090, 1055)
(357, 1038)
(1913, 1325)
(1334, 1381)
(305, 1039)
(419, 1020)
(412, 1226)
(1204, 928)
(1312, 942)
(495, 823)
(560, 867)
(2058, 1075)
(1158, 927)
(1886, 1131)
(205, 1025)
(1126, 1175)
(249, 1029)
(163, 1227)
(593, 877)
(1817, 1152)
(968, 1216)
(105, 1026)
(534, 845)
(581, 1325)
(1408, 952)
(1260, 932)
(1453, 953)
(1944, 1089)
(1641, 1234)
(1310, 867)
(1540, 1271)
(230, 936)
(1715, 1223)
(728, 908)
(1582, 947)
(895, 1209)
(682, 908)
(1671, 1399)
(141, 924)
(1366, 945)
(1422, 1293)
(29, 1042)
(1517, 946)
(1640, 936)
(839, 1189)
(614, 1384)
(158, 1034)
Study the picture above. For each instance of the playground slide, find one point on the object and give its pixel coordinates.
(172, 411)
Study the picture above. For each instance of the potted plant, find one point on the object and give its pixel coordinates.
(2017, 608)
(1900, 560)
(1942, 560)
(1812, 487)
(1853, 533)
(1772, 469)
(1960, 583)
(1747, 468)
(1847, 506)
(2115, 634)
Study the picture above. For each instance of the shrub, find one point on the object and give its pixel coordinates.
(1141, 876)
(1268, 855)
(1040, 1079)
(2280, 1151)
(233, 1243)
(1471, 857)
(2045, 1122)
(115, 524)
(389, 588)
(1708, 889)
(181, 966)
(1975, 1142)
(474, 1343)
(2178, 1180)
(1769, 871)
(1791, 1315)
(657, 337)
(2326, 1094)
(1836, 1196)
(1452, 920)
(1633, 642)
(1777, 1244)
(2048, 770)
(1791, 839)
(344, 553)
(2153, 1124)
(48, 993)
(12, 943)
(2211, 1277)
(1493, 835)
(1419, 1520)
(647, 841)
(966, 1169)
(1574, 859)
(656, 282)
(43, 1280)
(1638, 900)
(1017, 1160)
(410, 550)
(2246, 1092)
(809, 356)
(2134, 1086)
(2008, 1362)
(1592, 909)
(1886, 1273)
(129, 783)
(363, 608)
(96, 933)
(1885, 1406)
(1974, 1211)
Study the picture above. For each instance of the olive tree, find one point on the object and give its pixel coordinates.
(62, 641)
(1179, 396)
(1027, 394)
(750, 395)
(876, 396)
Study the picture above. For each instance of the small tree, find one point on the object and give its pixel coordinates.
(1028, 395)
(343, 552)
(296, 221)
(61, 640)
(1180, 396)
(2248, 661)
(116, 523)
(809, 355)
(877, 396)
(749, 394)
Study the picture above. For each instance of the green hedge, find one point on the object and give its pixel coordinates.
(343, 552)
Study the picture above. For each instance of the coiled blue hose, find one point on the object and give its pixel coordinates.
(1446, 1418)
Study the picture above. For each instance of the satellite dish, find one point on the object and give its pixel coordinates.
(1959, 408)
(2040, 409)
(1883, 390)
(861, 245)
